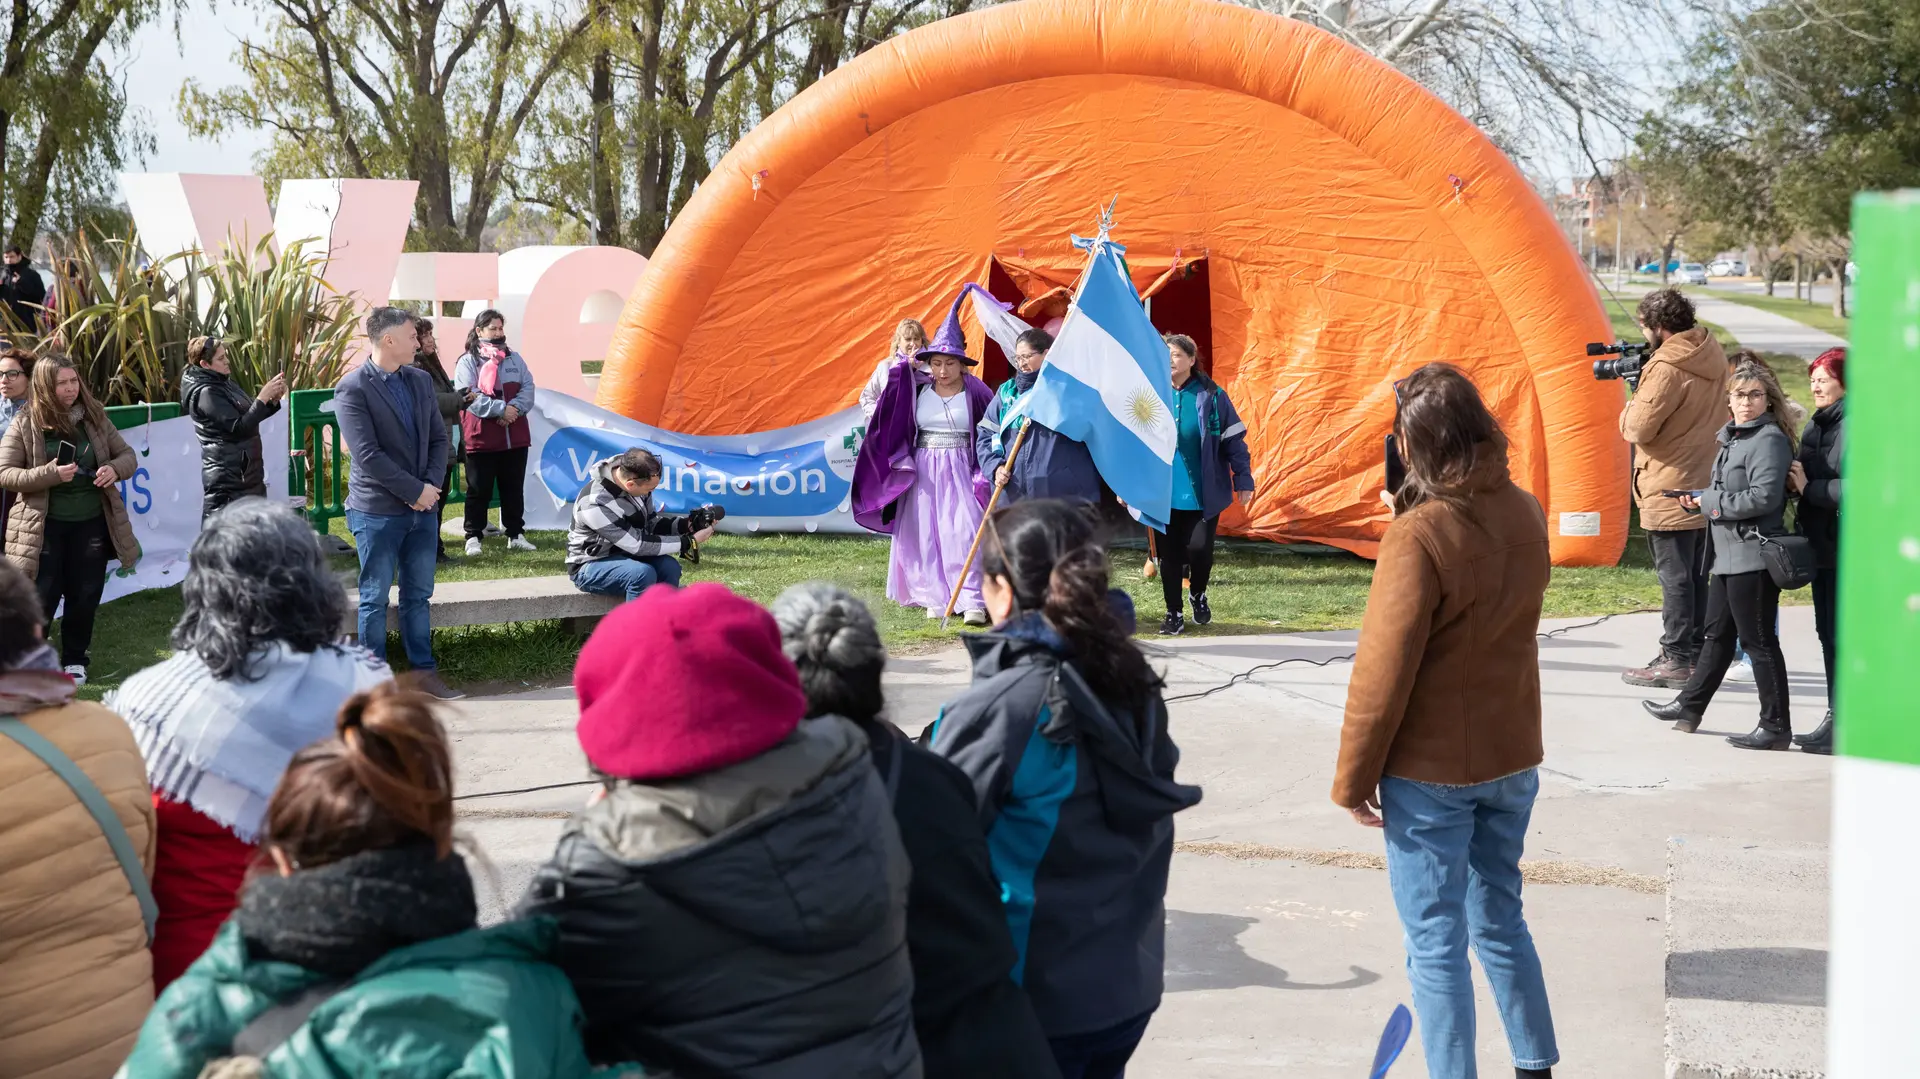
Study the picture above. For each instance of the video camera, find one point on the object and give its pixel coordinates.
(1631, 358)
(698, 519)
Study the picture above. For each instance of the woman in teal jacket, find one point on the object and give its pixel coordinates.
(355, 952)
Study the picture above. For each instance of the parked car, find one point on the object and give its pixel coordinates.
(1727, 268)
(1691, 273)
(1654, 267)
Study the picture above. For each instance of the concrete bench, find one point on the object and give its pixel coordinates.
(489, 603)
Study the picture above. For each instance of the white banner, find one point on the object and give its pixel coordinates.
(798, 479)
(163, 497)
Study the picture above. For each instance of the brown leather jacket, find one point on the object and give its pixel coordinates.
(1446, 688)
(1674, 421)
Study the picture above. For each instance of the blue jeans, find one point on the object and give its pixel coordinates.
(626, 577)
(1453, 862)
(405, 544)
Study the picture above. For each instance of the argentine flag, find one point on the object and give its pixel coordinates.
(1107, 382)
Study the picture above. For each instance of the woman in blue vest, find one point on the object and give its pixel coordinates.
(1211, 469)
(498, 387)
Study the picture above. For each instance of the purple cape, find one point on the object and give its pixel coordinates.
(883, 469)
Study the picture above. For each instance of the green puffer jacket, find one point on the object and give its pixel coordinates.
(483, 1004)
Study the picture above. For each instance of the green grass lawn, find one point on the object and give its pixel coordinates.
(1820, 316)
(1257, 588)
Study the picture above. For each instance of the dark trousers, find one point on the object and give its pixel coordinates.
(440, 514)
(1102, 1054)
(1745, 606)
(1681, 560)
(1825, 593)
(507, 468)
(73, 567)
(1186, 551)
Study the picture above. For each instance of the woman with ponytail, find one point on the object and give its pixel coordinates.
(1063, 735)
(354, 950)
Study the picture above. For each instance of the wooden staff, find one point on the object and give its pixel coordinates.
(1152, 569)
(967, 567)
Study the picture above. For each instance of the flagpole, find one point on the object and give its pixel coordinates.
(967, 567)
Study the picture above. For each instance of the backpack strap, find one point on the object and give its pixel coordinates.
(274, 1027)
(96, 804)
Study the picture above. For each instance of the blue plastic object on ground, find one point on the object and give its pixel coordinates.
(1392, 1040)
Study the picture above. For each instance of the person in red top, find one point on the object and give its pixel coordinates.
(498, 389)
(257, 673)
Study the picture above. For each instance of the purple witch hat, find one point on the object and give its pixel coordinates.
(950, 341)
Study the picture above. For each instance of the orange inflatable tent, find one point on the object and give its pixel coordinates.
(1317, 220)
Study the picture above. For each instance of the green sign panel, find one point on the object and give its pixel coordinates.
(1879, 604)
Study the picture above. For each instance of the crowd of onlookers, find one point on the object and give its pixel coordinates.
(244, 862)
(248, 854)
(1720, 453)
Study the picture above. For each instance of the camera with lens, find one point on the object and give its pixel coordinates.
(1626, 364)
(698, 519)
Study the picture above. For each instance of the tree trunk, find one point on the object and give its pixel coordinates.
(1797, 270)
(602, 131)
(31, 184)
(1666, 257)
(1838, 267)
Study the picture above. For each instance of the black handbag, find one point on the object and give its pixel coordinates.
(1789, 559)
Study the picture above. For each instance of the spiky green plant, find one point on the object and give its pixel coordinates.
(126, 320)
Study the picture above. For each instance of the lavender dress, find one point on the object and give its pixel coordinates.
(939, 515)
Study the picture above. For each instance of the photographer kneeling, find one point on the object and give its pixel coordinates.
(619, 545)
(1674, 422)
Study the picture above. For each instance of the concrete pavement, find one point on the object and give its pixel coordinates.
(1284, 952)
(1765, 331)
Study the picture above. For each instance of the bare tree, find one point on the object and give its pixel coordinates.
(1536, 75)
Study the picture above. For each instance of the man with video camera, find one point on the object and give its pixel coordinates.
(619, 545)
(1672, 421)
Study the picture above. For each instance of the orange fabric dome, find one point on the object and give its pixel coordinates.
(1353, 227)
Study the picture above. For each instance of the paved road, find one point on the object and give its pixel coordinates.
(1284, 954)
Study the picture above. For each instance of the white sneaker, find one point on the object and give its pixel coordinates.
(975, 617)
(78, 674)
(521, 543)
(473, 546)
(1741, 671)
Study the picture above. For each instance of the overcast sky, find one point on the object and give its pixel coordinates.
(156, 66)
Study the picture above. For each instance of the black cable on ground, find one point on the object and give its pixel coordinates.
(1237, 679)
(1248, 674)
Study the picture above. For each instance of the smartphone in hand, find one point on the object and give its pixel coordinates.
(1680, 494)
(68, 451)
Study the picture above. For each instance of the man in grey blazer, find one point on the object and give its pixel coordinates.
(391, 425)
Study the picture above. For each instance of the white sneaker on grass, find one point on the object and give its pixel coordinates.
(77, 673)
(520, 543)
(473, 546)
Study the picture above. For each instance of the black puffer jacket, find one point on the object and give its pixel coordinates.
(970, 1016)
(1820, 501)
(745, 923)
(227, 423)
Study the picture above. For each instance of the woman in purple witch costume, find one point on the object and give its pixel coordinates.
(916, 476)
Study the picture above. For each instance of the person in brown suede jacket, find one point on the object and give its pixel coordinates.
(1674, 422)
(1442, 732)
